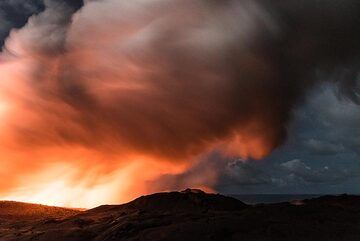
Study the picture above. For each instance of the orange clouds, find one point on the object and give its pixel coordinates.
(96, 104)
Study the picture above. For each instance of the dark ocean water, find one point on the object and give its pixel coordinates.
(272, 198)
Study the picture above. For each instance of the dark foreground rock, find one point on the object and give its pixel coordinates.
(193, 215)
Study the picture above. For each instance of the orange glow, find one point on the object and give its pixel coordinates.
(81, 181)
(91, 117)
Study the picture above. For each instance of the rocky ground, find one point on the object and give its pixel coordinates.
(186, 216)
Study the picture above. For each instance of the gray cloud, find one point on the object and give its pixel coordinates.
(43, 34)
(327, 138)
(296, 170)
(321, 147)
(231, 72)
(202, 80)
(243, 173)
(332, 124)
(239, 176)
(14, 14)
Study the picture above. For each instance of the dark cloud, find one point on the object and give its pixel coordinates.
(202, 174)
(75, 4)
(230, 72)
(323, 147)
(176, 79)
(242, 173)
(286, 174)
(298, 171)
(239, 176)
(14, 14)
(335, 121)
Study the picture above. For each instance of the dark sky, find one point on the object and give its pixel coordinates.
(14, 14)
(321, 154)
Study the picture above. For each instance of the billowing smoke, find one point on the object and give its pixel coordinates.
(168, 80)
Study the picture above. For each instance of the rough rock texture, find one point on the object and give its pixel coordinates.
(195, 215)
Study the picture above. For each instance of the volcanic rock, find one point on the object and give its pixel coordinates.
(191, 215)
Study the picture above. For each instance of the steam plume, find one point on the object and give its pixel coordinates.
(171, 79)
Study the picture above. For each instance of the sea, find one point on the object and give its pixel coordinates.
(272, 198)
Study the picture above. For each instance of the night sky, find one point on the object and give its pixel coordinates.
(316, 142)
